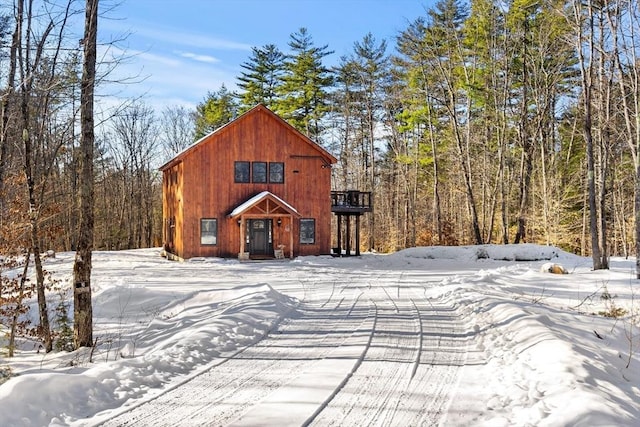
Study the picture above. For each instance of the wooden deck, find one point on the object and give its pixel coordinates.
(349, 206)
(351, 202)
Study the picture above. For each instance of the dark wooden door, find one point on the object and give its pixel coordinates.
(260, 237)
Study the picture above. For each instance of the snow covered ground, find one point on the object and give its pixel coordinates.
(427, 336)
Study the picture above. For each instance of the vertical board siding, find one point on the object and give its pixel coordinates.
(207, 188)
(172, 211)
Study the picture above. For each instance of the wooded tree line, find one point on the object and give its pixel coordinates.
(40, 65)
(487, 122)
(48, 89)
(492, 122)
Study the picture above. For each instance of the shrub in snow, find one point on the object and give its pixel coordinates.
(611, 308)
(482, 253)
(5, 373)
(549, 267)
(64, 333)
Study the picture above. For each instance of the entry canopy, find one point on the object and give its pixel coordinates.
(264, 203)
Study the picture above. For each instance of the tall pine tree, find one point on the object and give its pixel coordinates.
(304, 99)
(372, 73)
(262, 77)
(218, 109)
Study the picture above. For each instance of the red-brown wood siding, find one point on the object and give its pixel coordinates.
(207, 189)
(172, 212)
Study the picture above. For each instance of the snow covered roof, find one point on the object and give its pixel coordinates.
(257, 199)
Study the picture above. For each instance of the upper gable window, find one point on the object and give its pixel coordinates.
(259, 171)
(276, 172)
(242, 171)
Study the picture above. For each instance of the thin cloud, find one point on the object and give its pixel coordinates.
(179, 38)
(129, 55)
(196, 40)
(163, 82)
(200, 58)
(160, 59)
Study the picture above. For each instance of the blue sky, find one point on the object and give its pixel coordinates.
(183, 49)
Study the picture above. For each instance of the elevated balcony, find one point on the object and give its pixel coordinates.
(351, 202)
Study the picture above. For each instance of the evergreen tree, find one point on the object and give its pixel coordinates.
(304, 99)
(344, 123)
(262, 77)
(452, 85)
(218, 109)
(372, 72)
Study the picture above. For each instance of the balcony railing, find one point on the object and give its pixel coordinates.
(351, 201)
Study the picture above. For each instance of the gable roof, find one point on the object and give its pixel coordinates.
(255, 200)
(330, 159)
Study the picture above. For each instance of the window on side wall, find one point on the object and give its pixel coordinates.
(276, 172)
(307, 231)
(208, 231)
(242, 171)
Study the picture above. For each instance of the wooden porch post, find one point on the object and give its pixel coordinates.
(291, 236)
(339, 235)
(357, 235)
(241, 251)
(348, 236)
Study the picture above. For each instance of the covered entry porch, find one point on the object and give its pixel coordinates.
(265, 227)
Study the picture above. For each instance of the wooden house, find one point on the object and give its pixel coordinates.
(254, 188)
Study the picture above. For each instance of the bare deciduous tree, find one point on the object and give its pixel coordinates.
(176, 130)
(83, 309)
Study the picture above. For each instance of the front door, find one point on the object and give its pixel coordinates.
(260, 237)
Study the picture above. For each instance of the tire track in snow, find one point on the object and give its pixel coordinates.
(228, 390)
(409, 373)
(340, 386)
(385, 370)
(391, 357)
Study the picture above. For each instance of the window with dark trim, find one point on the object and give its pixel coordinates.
(208, 231)
(307, 231)
(259, 171)
(242, 171)
(276, 172)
